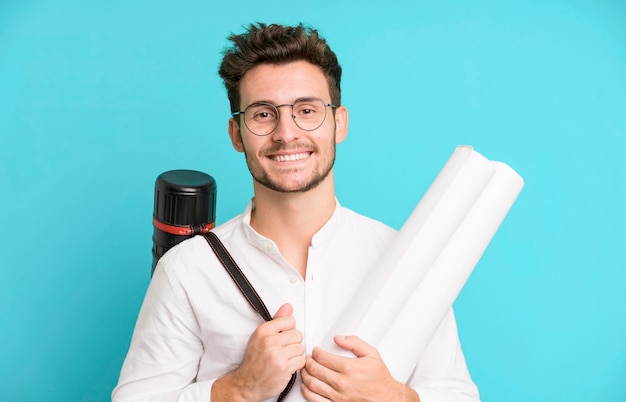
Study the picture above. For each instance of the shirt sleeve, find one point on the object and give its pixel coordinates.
(165, 350)
(442, 374)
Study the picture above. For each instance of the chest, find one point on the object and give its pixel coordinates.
(333, 274)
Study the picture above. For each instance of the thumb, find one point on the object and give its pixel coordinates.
(284, 310)
(356, 345)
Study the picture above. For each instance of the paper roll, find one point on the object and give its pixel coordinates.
(434, 252)
(415, 324)
(417, 244)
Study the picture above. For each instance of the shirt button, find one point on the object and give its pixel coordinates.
(269, 247)
(293, 280)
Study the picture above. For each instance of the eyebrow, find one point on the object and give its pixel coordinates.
(301, 99)
(308, 98)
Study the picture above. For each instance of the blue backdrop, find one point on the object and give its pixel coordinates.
(97, 99)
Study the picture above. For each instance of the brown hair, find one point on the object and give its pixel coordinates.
(277, 44)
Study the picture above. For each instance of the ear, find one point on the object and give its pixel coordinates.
(341, 124)
(235, 135)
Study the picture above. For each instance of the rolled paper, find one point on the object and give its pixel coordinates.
(415, 324)
(442, 208)
(441, 233)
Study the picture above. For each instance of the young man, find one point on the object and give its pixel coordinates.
(197, 338)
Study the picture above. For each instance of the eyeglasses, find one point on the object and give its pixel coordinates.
(262, 118)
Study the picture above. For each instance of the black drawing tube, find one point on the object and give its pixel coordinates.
(184, 206)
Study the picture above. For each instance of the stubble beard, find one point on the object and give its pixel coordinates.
(262, 176)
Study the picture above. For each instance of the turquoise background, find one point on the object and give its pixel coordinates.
(98, 98)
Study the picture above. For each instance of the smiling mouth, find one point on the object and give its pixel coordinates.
(291, 157)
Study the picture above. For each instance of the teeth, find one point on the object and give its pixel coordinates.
(292, 157)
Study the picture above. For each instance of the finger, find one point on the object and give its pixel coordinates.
(267, 339)
(295, 364)
(313, 388)
(331, 361)
(284, 310)
(325, 371)
(338, 363)
(290, 337)
(279, 324)
(294, 351)
(356, 345)
(311, 396)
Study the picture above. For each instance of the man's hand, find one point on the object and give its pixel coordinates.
(327, 376)
(273, 354)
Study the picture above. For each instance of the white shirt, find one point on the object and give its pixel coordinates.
(194, 323)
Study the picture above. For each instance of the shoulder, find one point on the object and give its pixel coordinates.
(194, 253)
(354, 233)
(193, 275)
(364, 225)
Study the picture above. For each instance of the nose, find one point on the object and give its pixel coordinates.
(286, 130)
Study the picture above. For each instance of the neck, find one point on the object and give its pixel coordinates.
(287, 214)
(292, 219)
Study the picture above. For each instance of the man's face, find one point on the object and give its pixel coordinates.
(289, 159)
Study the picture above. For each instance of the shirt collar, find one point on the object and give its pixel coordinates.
(319, 238)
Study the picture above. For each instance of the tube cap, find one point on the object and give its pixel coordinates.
(184, 197)
(184, 205)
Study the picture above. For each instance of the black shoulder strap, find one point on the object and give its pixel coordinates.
(245, 287)
(240, 279)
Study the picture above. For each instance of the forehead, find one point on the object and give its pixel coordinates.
(283, 83)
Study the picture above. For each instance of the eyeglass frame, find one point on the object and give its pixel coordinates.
(293, 117)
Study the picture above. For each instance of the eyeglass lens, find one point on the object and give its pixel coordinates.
(262, 118)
